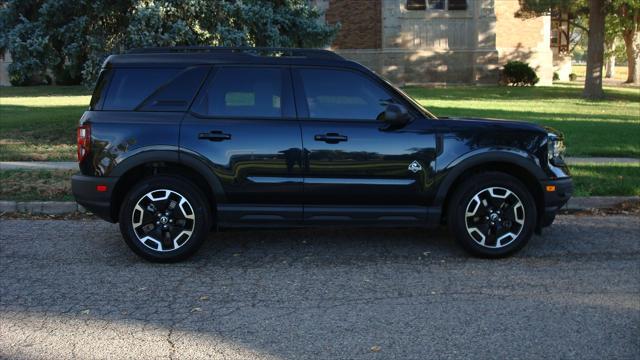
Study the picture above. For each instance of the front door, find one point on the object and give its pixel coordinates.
(356, 168)
(243, 125)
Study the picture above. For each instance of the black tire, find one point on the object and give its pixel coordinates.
(476, 233)
(194, 215)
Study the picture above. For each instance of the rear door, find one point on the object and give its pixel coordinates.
(243, 125)
(356, 168)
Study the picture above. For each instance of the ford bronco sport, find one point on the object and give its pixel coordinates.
(180, 141)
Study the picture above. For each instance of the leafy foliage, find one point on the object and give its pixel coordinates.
(518, 73)
(70, 39)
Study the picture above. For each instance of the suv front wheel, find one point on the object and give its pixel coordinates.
(164, 218)
(492, 214)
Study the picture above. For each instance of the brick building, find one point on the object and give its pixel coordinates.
(442, 41)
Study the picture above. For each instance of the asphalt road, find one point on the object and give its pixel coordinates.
(72, 289)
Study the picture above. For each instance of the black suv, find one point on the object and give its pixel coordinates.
(180, 141)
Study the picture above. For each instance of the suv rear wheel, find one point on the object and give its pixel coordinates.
(164, 218)
(492, 214)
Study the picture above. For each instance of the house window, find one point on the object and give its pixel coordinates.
(436, 4)
(416, 4)
(457, 5)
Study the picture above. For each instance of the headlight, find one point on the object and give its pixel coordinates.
(555, 146)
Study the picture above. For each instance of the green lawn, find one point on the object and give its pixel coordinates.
(37, 123)
(606, 180)
(609, 127)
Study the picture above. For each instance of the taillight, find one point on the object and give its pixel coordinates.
(84, 141)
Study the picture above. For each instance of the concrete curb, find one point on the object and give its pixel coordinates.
(41, 207)
(69, 207)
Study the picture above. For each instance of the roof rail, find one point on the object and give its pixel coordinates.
(251, 51)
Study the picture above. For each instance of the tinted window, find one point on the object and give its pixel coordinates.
(243, 92)
(178, 93)
(129, 87)
(336, 94)
(100, 89)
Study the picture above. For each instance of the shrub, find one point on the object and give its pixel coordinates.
(518, 73)
(573, 77)
(69, 39)
(556, 77)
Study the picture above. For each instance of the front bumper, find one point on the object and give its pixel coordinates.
(85, 191)
(554, 200)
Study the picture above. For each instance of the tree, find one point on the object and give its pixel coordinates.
(595, 10)
(595, 51)
(628, 21)
(610, 47)
(71, 38)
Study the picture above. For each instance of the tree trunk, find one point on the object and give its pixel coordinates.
(595, 51)
(632, 45)
(610, 65)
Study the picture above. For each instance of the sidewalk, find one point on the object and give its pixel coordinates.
(72, 165)
(601, 160)
(38, 165)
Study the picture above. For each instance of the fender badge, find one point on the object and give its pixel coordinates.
(415, 166)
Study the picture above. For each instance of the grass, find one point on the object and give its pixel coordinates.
(609, 127)
(606, 180)
(37, 123)
(620, 75)
(55, 185)
(41, 185)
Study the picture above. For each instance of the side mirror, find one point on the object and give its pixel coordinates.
(396, 116)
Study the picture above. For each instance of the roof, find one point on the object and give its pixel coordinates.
(203, 55)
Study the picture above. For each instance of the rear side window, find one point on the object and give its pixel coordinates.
(129, 87)
(177, 94)
(243, 92)
(339, 94)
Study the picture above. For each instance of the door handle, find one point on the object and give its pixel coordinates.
(331, 138)
(214, 135)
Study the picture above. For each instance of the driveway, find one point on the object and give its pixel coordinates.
(72, 289)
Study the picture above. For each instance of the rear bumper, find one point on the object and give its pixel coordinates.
(86, 194)
(554, 200)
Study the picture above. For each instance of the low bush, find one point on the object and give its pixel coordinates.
(573, 77)
(518, 73)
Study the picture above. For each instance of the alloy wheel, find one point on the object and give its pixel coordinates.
(163, 220)
(494, 217)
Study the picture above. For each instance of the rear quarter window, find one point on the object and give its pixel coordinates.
(177, 94)
(128, 88)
